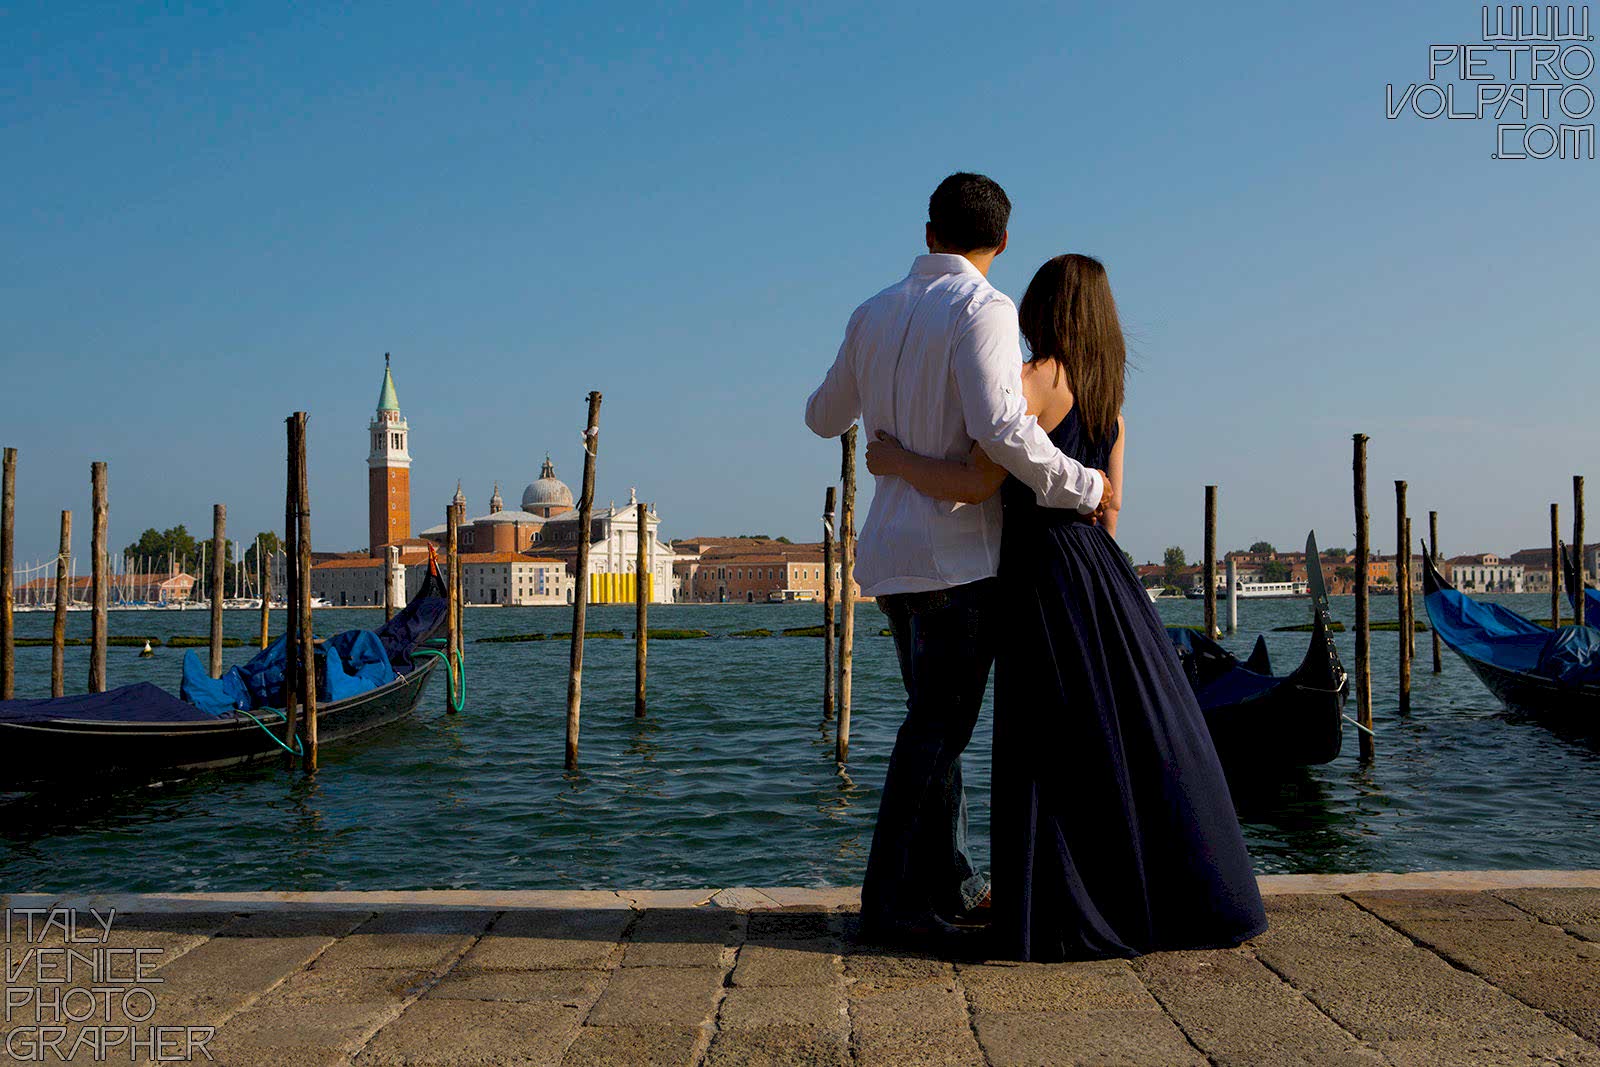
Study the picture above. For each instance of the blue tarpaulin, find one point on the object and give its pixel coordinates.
(1216, 674)
(142, 702)
(356, 661)
(1487, 632)
(218, 696)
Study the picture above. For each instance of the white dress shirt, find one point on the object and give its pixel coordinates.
(936, 361)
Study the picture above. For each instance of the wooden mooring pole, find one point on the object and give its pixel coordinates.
(1432, 551)
(1411, 605)
(458, 587)
(58, 632)
(1209, 572)
(264, 587)
(830, 589)
(97, 582)
(219, 570)
(847, 590)
(391, 568)
(1402, 580)
(293, 588)
(1232, 580)
(8, 593)
(308, 648)
(580, 592)
(1578, 597)
(641, 609)
(1363, 623)
(1555, 567)
(452, 557)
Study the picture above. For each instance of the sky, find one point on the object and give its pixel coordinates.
(219, 217)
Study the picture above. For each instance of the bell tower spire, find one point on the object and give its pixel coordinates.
(388, 470)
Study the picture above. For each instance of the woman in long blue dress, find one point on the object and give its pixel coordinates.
(1114, 833)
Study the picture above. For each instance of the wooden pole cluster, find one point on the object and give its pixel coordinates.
(219, 555)
(97, 581)
(1432, 549)
(308, 648)
(847, 590)
(293, 587)
(1555, 566)
(580, 592)
(1363, 626)
(58, 632)
(1578, 598)
(641, 609)
(830, 589)
(1209, 573)
(1402, 578)
(8, 541)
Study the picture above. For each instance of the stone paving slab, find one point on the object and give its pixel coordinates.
(1476, 968)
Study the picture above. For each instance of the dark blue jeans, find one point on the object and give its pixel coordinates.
(919, 864)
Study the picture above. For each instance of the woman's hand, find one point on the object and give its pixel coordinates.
(886, 456)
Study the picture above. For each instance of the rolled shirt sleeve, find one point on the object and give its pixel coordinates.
(987, 363)
(836, 403)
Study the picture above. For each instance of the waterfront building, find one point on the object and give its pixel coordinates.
(1486, 572)
(718, 570)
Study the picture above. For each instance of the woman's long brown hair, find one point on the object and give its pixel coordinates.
(1068, 315)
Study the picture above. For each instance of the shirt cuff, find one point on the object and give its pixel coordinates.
(1097, 489)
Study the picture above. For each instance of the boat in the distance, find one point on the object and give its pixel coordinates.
(1262, 723)
(1530, 667)
(143, 732)
(1267, 590)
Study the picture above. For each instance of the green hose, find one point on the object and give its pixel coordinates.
(297, 750)
(455, 678)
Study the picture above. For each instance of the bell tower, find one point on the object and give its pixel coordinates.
(388, 471)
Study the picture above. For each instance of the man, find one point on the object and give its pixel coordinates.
(935, 361)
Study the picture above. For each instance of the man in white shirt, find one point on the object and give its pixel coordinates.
(935, 361)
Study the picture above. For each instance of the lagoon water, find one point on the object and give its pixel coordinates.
(731, 780)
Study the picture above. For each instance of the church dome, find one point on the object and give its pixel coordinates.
(548, 491)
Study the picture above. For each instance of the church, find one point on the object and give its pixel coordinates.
(522, 556)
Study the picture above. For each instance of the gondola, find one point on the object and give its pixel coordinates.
(143, 732)
(1263, 723)
(1529, 667)
(1591, 596)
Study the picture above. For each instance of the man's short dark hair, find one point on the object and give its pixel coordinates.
(969, 212)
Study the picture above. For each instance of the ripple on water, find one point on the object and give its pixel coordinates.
(731, 779)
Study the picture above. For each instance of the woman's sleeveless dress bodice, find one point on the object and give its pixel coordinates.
(1022, 507)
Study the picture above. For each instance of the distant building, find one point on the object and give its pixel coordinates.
(719, 570)
(1486, 573)
(388, 472)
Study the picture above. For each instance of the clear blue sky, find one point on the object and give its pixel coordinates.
(216, 218)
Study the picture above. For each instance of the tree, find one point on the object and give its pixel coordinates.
(1344, 574)
(1263, 547)
(1336, 554)
(1275, 570)
(154, 549)
(1173, 562)
(784, 541)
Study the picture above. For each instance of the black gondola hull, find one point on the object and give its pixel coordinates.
(76, 754)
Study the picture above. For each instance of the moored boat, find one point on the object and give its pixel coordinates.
(1265, 724)
(1530, 667)
(144, 732)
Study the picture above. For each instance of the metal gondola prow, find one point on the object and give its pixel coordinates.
(1432, 580)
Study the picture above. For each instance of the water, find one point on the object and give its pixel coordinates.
(731, 781)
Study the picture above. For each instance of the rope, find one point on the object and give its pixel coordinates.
(297, 750)
(455, 678)
(1357, 725)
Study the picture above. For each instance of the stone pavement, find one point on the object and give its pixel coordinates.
(1440, 968)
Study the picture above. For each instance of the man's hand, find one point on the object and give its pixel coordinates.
(884, 455)
(1109, 501)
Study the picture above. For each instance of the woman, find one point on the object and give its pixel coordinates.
(1114, 833)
